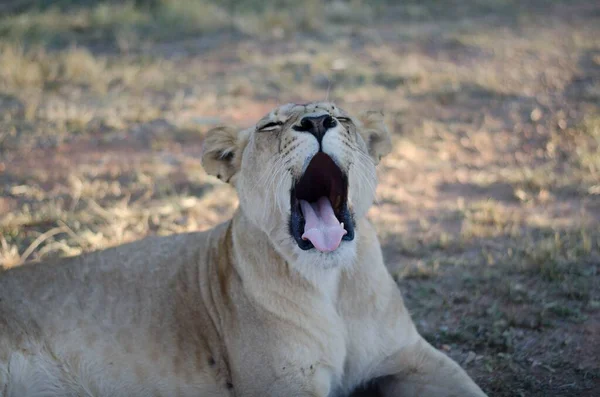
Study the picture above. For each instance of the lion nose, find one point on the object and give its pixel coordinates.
(316, 125)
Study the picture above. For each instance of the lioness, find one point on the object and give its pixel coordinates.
(289, 298)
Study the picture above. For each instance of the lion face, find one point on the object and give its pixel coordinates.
(305, 174)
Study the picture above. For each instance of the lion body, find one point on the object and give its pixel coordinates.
(232, 311)
(170, 316)
(109, 323)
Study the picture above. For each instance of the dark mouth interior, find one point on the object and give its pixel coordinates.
(322, 178)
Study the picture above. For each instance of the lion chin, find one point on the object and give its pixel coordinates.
(290, 297)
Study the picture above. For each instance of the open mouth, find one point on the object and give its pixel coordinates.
(320, 216)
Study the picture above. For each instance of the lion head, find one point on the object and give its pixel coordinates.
(305, 175)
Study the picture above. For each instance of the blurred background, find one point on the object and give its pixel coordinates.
(488, 207)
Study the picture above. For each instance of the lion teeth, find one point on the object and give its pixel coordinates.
(342, 224)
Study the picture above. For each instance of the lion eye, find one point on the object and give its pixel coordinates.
(344, 120)
(269, 126)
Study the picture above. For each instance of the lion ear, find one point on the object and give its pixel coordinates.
(222, 153)
(375, 134)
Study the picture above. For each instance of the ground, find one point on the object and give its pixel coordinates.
(488, 207)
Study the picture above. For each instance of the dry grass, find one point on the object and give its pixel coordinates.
(91, 211)
(123, 26)
(37, 69)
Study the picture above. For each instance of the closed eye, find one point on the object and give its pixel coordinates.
(269, 126)
(344, 120)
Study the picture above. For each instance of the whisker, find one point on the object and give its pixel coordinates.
(273, 178)
(328, 89)
(365, 174)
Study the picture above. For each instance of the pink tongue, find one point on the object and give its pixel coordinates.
(321, 226)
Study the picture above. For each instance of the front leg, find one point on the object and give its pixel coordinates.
(409, 366)
(280, 366)
(312, 381)
(422, 370)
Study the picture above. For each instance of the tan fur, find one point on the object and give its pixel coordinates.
(237, 310)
